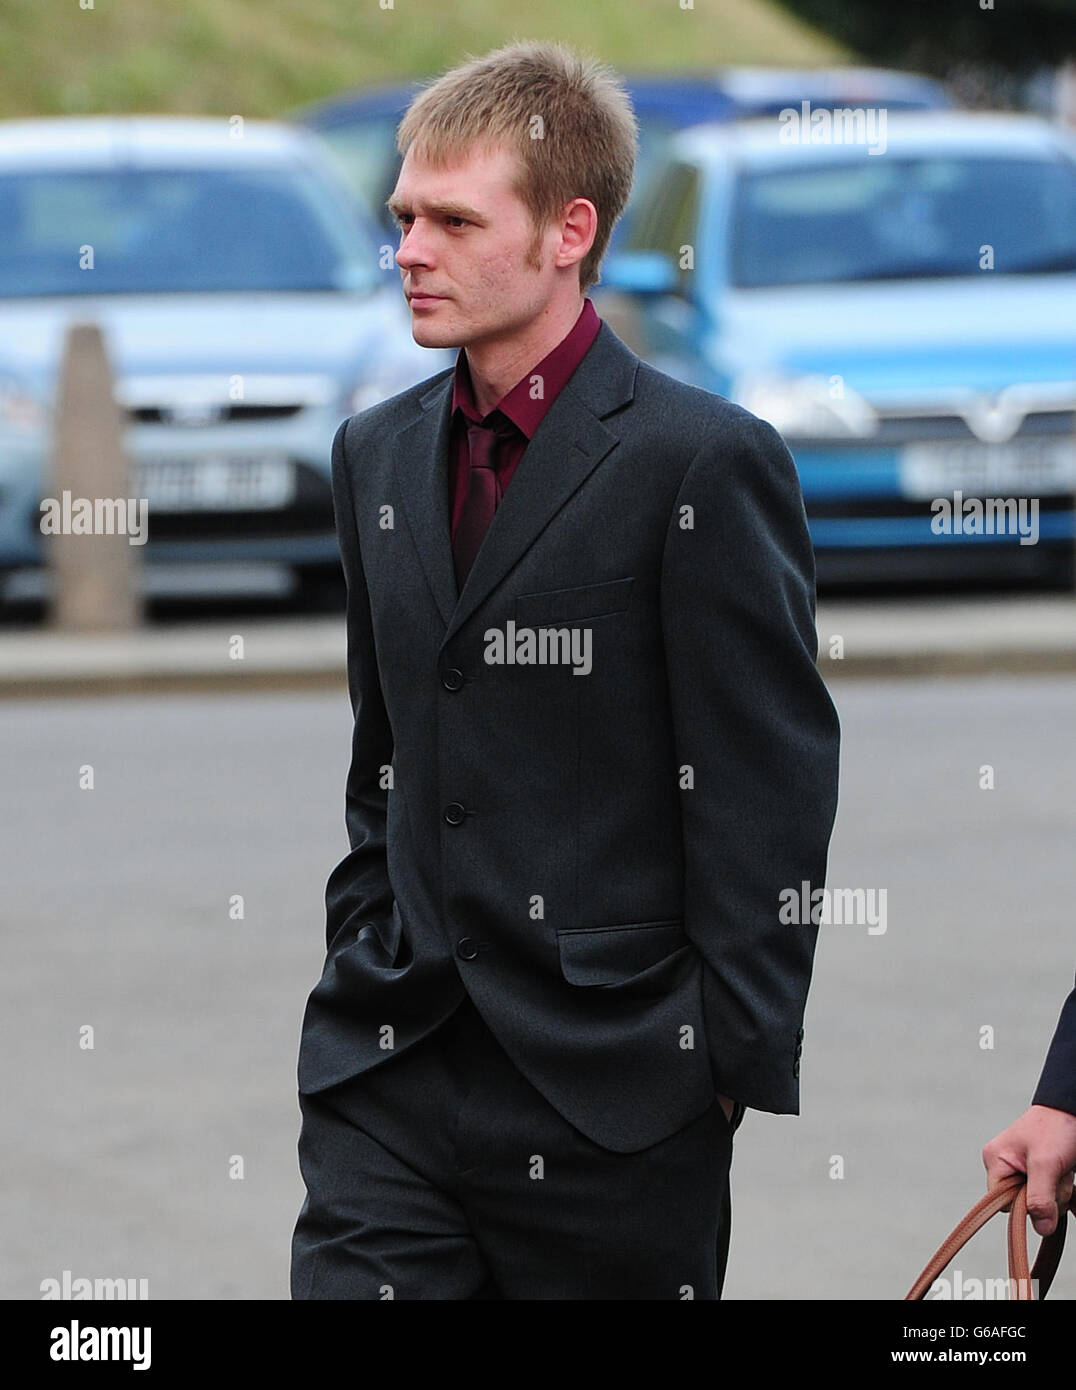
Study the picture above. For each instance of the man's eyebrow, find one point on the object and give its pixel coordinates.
(400, 205)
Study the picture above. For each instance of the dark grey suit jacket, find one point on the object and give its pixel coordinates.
(1057, 1083)
(594, 858)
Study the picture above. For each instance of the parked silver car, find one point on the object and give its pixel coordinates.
(248, 306)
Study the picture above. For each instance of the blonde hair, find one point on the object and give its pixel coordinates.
(568, 119)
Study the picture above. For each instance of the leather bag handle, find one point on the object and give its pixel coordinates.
(1012, 1189)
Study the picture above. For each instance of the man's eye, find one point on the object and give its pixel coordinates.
(404, 220)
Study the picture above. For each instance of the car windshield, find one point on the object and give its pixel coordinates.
(366, 151)
(888, 218)
(132, 231)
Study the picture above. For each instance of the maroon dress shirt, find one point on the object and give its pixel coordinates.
(517, 406)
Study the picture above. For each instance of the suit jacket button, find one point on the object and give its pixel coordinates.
(452, 679)
(796, 1067)
(799, 1036)
(454, 813)
(467, 948)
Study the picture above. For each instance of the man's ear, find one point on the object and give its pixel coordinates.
(579, 227)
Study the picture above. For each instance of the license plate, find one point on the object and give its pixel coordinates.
(1019, 468)
(216, 483)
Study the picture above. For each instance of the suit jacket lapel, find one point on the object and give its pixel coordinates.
(569, 443)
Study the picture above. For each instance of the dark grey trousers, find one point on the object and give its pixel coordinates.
(444, 1174)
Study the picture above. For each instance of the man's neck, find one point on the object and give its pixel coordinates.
(496, 366)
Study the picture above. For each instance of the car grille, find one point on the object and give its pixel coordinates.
(224, 414)
(900, 428)
(871, 507)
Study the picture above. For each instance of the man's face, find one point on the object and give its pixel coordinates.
(468, 241)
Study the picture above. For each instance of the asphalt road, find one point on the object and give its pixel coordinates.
(120, 1161)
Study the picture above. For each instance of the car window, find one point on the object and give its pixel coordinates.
(366, 152)
(894, 218)
(655, 132)
(668, 220)
(179, 230)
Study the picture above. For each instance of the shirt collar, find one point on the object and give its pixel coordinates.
(555, 368)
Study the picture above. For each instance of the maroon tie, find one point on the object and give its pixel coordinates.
(483, 495)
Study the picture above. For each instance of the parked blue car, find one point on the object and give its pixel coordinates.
(359, 128)
(904, 314)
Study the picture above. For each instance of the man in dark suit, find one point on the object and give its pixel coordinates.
(1042, 1142)
(591, 749)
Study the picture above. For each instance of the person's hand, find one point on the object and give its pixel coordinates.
(727, 1105)
(1042, 1144)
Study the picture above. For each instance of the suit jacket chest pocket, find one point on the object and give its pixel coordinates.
(562, 607)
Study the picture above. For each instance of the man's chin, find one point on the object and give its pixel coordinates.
(433, 336)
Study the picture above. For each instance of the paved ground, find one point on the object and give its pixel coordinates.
(115, 915)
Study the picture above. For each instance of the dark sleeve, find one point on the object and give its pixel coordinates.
(754, 720)
(1057, 1084)
(359, 886)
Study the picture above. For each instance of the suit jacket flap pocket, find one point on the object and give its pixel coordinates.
(552, 607)
(606, 955)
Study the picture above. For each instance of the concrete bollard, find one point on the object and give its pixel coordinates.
(91, 526)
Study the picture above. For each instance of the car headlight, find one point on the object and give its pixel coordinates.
(391, 379)
(19, 409)
(807, 406)
(368, 393)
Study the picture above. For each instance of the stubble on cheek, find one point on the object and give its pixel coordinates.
(489, 294)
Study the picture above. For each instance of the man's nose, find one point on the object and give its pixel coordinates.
(413, 249)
